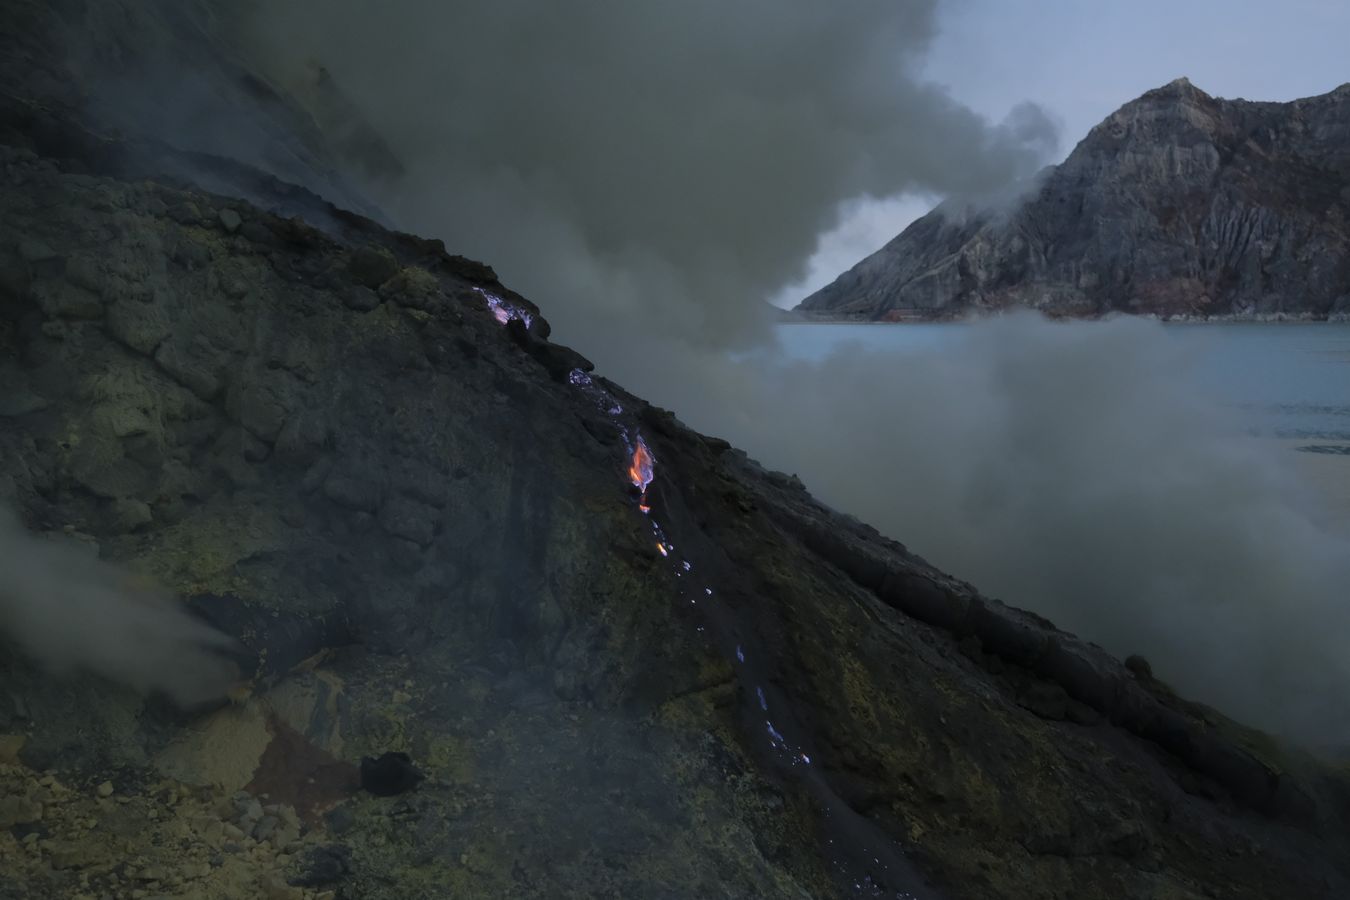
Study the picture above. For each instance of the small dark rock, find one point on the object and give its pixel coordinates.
(339, 820)
(413, 287)
(322, 866)
(372, 266)
(1139, 666)
(391, 774)
(360, 298)
(189, 253)
(265, 828)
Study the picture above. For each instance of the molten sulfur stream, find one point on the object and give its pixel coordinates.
(640, 471)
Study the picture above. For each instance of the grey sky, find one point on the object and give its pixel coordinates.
(1081, 60)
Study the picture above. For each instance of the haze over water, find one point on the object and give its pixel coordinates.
(1288, 380)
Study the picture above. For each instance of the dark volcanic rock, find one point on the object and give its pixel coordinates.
(389, 775)
(1179, 205)
(323, 866)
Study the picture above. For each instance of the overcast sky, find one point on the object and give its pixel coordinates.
(1081, 60)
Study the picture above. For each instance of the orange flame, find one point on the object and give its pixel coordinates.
(641, 468)
(641, 471)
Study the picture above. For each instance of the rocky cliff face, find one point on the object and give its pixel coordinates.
(425, 528)
(1179, 205)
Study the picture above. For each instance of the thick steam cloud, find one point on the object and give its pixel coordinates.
(651, 173)
(1076, 470)
(71, 612)
(644, 167)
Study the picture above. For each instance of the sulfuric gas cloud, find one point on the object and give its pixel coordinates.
(644, 166)
(650, 173)
(71, 612)
(1077, 470)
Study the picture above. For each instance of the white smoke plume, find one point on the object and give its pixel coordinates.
(1079, 471)
(70, 612)
(644, 167)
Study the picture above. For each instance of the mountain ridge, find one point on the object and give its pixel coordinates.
(1178, 205)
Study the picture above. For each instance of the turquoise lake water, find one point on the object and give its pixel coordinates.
(1286, 380)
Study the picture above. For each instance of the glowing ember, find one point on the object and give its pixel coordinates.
(641, 469)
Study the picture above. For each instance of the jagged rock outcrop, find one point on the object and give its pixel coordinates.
(362, 458)
(1179, 205)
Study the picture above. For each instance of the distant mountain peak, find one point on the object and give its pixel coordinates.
(1178, 89)
(1179, 204)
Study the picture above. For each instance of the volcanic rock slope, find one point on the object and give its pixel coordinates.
(361, 457)
(1179, 205)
